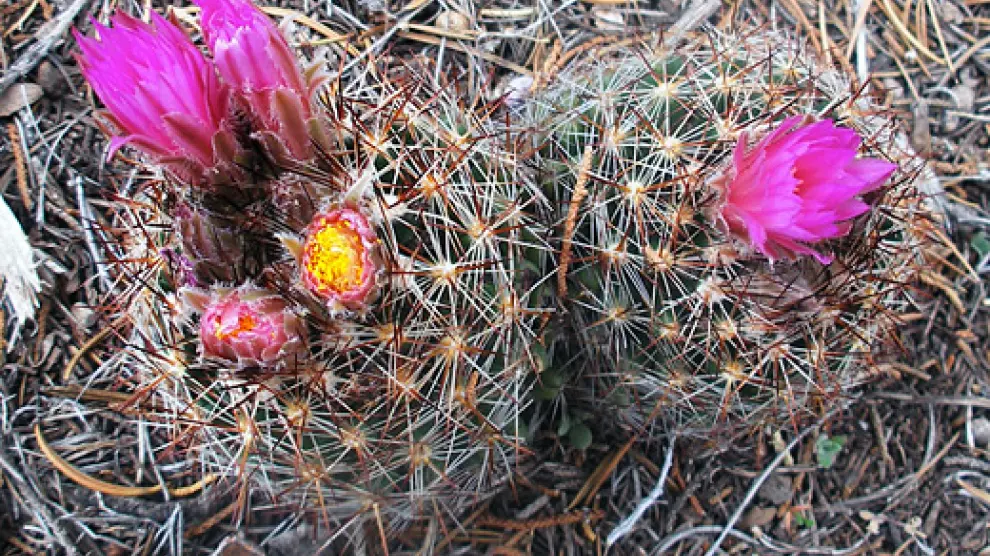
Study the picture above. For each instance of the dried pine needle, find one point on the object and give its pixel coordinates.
(104, 487)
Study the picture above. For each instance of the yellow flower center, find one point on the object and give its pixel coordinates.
(334, 257)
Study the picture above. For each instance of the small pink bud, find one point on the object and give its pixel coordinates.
(162, 95)
(249, 325)
(338, 258)
(799, 185)
(255, 59)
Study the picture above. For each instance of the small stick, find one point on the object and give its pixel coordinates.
(104, 487)
(568, 518)
(862, 61)
(99, 336)
(975, 491)
(862, 10)
(597, 478)
(941, 38)
(823, 30)
(26, 490)
(965, 58)
(920, 473)
(580, 192)
(381, 527)
(87, 219)
(906, 34)
(881, 437)
(19, 165)
(200, 528)
(429, 39)
(627, 524)
(795, 10)
(507, 13)
(695, 15)
(48, 35)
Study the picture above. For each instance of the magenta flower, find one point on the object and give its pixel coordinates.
(248, 325)
(799, 185)
(254, 58)
(162, 96)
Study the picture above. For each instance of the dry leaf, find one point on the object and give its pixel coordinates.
(17, 97)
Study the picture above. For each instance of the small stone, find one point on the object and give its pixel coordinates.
(981, 431)
(517, 91)
(777, 489)
(453, 21)
(757, 517)
(18, 96)
(921, 135)
(84, 316)
(950, 13)
(234, 545)
(609, 20)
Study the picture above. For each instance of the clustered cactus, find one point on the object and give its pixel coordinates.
(718, 264)
(361, 277)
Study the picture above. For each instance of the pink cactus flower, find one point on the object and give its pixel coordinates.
(338, 258)
(249, 325)
(799, 185)
(162, 95)
(254, 58)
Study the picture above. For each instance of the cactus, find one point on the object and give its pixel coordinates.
(349, 332)
(412, 278)
(678, 318)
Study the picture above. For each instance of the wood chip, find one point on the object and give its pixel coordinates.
(19, 96)
(757, 517)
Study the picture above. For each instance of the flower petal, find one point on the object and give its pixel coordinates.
(799, 185)
(165, 98)
(873, 172)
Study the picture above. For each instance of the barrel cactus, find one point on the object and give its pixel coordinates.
(342, 321)
(726, 261)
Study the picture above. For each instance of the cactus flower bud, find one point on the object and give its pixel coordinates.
(249, 325)
(162, 96)
(338, 258)
(217, 251)
(799, 185)
(255, 59)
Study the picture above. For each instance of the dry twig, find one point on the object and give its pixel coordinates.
(50, 34)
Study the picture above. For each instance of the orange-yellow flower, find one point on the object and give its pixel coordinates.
(337, 258)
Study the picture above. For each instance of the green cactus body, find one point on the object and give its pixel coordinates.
(678, 319)
(403, 403)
